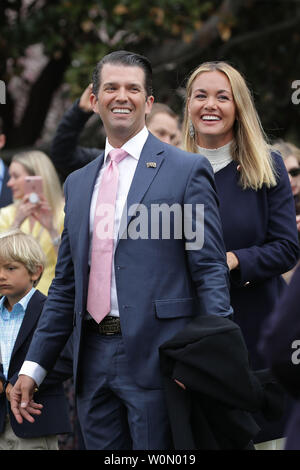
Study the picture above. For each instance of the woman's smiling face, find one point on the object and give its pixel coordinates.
(212, 109)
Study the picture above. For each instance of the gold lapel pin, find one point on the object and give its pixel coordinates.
(151, 164)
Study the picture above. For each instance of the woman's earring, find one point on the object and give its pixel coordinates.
(191, 130)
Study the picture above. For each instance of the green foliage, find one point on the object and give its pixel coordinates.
(92, 28)
(259, 37)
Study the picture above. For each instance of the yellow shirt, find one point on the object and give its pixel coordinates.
(41, 234)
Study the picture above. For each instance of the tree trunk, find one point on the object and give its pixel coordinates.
(39, 101)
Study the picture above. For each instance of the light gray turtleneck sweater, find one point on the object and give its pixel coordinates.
(218, 158)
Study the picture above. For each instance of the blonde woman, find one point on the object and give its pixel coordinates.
(44, 219)
(256, 202)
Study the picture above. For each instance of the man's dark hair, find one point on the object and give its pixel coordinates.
(128, 59)
(1, 125)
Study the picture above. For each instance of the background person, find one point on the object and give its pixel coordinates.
(163, 123)
(291, 156)
(67, 156)
(150, 288)
(256, 203)
(44, 220)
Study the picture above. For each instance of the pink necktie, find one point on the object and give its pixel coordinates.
(98, 301)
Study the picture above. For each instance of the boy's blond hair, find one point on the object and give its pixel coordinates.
(16, 245)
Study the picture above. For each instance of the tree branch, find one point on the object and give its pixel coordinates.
(40, 97)
(258, 35)
(180, 52)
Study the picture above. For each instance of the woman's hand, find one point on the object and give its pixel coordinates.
(232, 260)
(43, 214)
(24, 210)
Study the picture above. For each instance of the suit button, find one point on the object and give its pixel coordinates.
(246, 283)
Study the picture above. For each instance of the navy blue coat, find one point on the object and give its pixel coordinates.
(260, 228)
(160, 285)
(5, 194)
(280, 343)
(55, 415)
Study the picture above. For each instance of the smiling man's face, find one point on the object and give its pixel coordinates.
(122, 102)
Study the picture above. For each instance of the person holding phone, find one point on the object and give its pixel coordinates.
(38, 205)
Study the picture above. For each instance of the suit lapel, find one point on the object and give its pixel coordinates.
(32, 314)
(153, 153)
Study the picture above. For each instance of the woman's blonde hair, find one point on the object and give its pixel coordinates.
(250, 147)
(37, 163)
(16, 245)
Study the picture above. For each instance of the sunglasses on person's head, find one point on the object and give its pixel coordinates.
(294, 171)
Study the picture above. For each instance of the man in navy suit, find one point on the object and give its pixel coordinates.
(160, 280)
(5, 192)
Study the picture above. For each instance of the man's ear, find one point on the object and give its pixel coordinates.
(94, 101)
(2, 140)
(149, 103)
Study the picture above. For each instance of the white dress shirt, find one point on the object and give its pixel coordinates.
(127, 168)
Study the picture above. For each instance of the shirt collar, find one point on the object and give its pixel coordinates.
(133, 146)
(1, 169)
(23, 302)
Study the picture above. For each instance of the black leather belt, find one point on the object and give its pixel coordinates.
(108, 326)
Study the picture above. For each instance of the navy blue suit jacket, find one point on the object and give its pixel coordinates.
(5, 194)
(55, 416)
(280, 342)
(260, 228)
(160, 285)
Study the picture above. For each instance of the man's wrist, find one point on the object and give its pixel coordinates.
(33, 370)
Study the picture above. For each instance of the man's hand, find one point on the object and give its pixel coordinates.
(21, 402)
